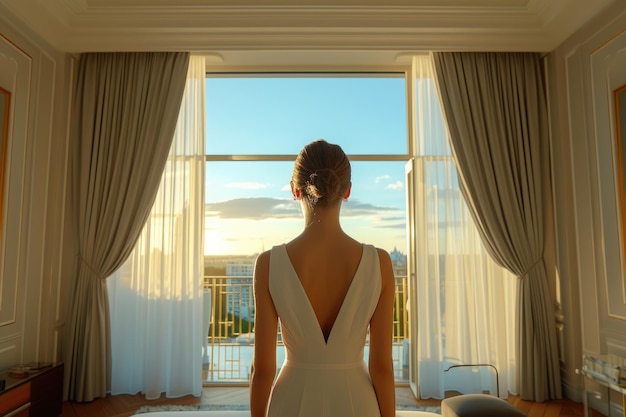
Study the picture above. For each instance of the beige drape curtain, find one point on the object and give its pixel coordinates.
(496, 112)
(125, 112)
(156, 296)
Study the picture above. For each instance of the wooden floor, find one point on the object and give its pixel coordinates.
(126, 405)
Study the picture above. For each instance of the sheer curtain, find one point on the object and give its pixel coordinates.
(124, 116)
(496, 109)
(156, 296)
(467, 304)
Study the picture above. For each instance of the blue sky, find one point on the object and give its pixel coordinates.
(249, 205)
(274, 115)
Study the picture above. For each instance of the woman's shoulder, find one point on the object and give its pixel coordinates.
(384, 259)
(263, 258)
(382, 253)
(268, 252)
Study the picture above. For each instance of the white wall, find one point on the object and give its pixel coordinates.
(35, 257)
(582, 73)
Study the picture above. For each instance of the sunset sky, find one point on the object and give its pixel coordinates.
(249, 204)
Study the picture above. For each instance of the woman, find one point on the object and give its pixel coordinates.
(326, 289)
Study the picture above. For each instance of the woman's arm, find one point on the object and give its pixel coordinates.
(265, 330)
(381, 339)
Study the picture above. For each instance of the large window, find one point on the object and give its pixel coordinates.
(256, 124)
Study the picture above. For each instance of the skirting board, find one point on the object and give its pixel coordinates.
(573, 392)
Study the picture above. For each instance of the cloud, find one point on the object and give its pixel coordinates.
(398, 185)
(246, 185)
(254, 208)
(399, 225)
(354, 208)
(258, 208)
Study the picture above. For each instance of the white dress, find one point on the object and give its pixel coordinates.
(322, 378)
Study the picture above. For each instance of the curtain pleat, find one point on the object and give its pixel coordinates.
(496, 112)
(156, 296)
(124, 115)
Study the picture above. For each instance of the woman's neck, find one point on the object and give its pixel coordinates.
(322, 218)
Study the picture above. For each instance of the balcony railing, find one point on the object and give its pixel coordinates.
(230, 337)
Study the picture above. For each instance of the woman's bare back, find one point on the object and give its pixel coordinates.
(325, 269)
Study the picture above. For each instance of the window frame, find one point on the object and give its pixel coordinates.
(404, 71)
(295, 71)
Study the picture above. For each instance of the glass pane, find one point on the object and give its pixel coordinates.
(278, 115)
(250, 208)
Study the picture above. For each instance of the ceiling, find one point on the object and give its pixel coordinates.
(236, 32)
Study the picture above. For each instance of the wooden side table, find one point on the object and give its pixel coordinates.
(40, 394)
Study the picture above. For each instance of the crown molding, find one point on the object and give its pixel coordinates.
(280, 25)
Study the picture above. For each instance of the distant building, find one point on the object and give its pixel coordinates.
(240, 269)
(221, 261)
(398, 261)
(239, 295)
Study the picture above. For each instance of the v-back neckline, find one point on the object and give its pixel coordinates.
(325, 339)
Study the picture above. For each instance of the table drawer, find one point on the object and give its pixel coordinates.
(14, 398)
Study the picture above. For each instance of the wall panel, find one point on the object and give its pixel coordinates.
(35, 258)
(584, 210)
(16, 77)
